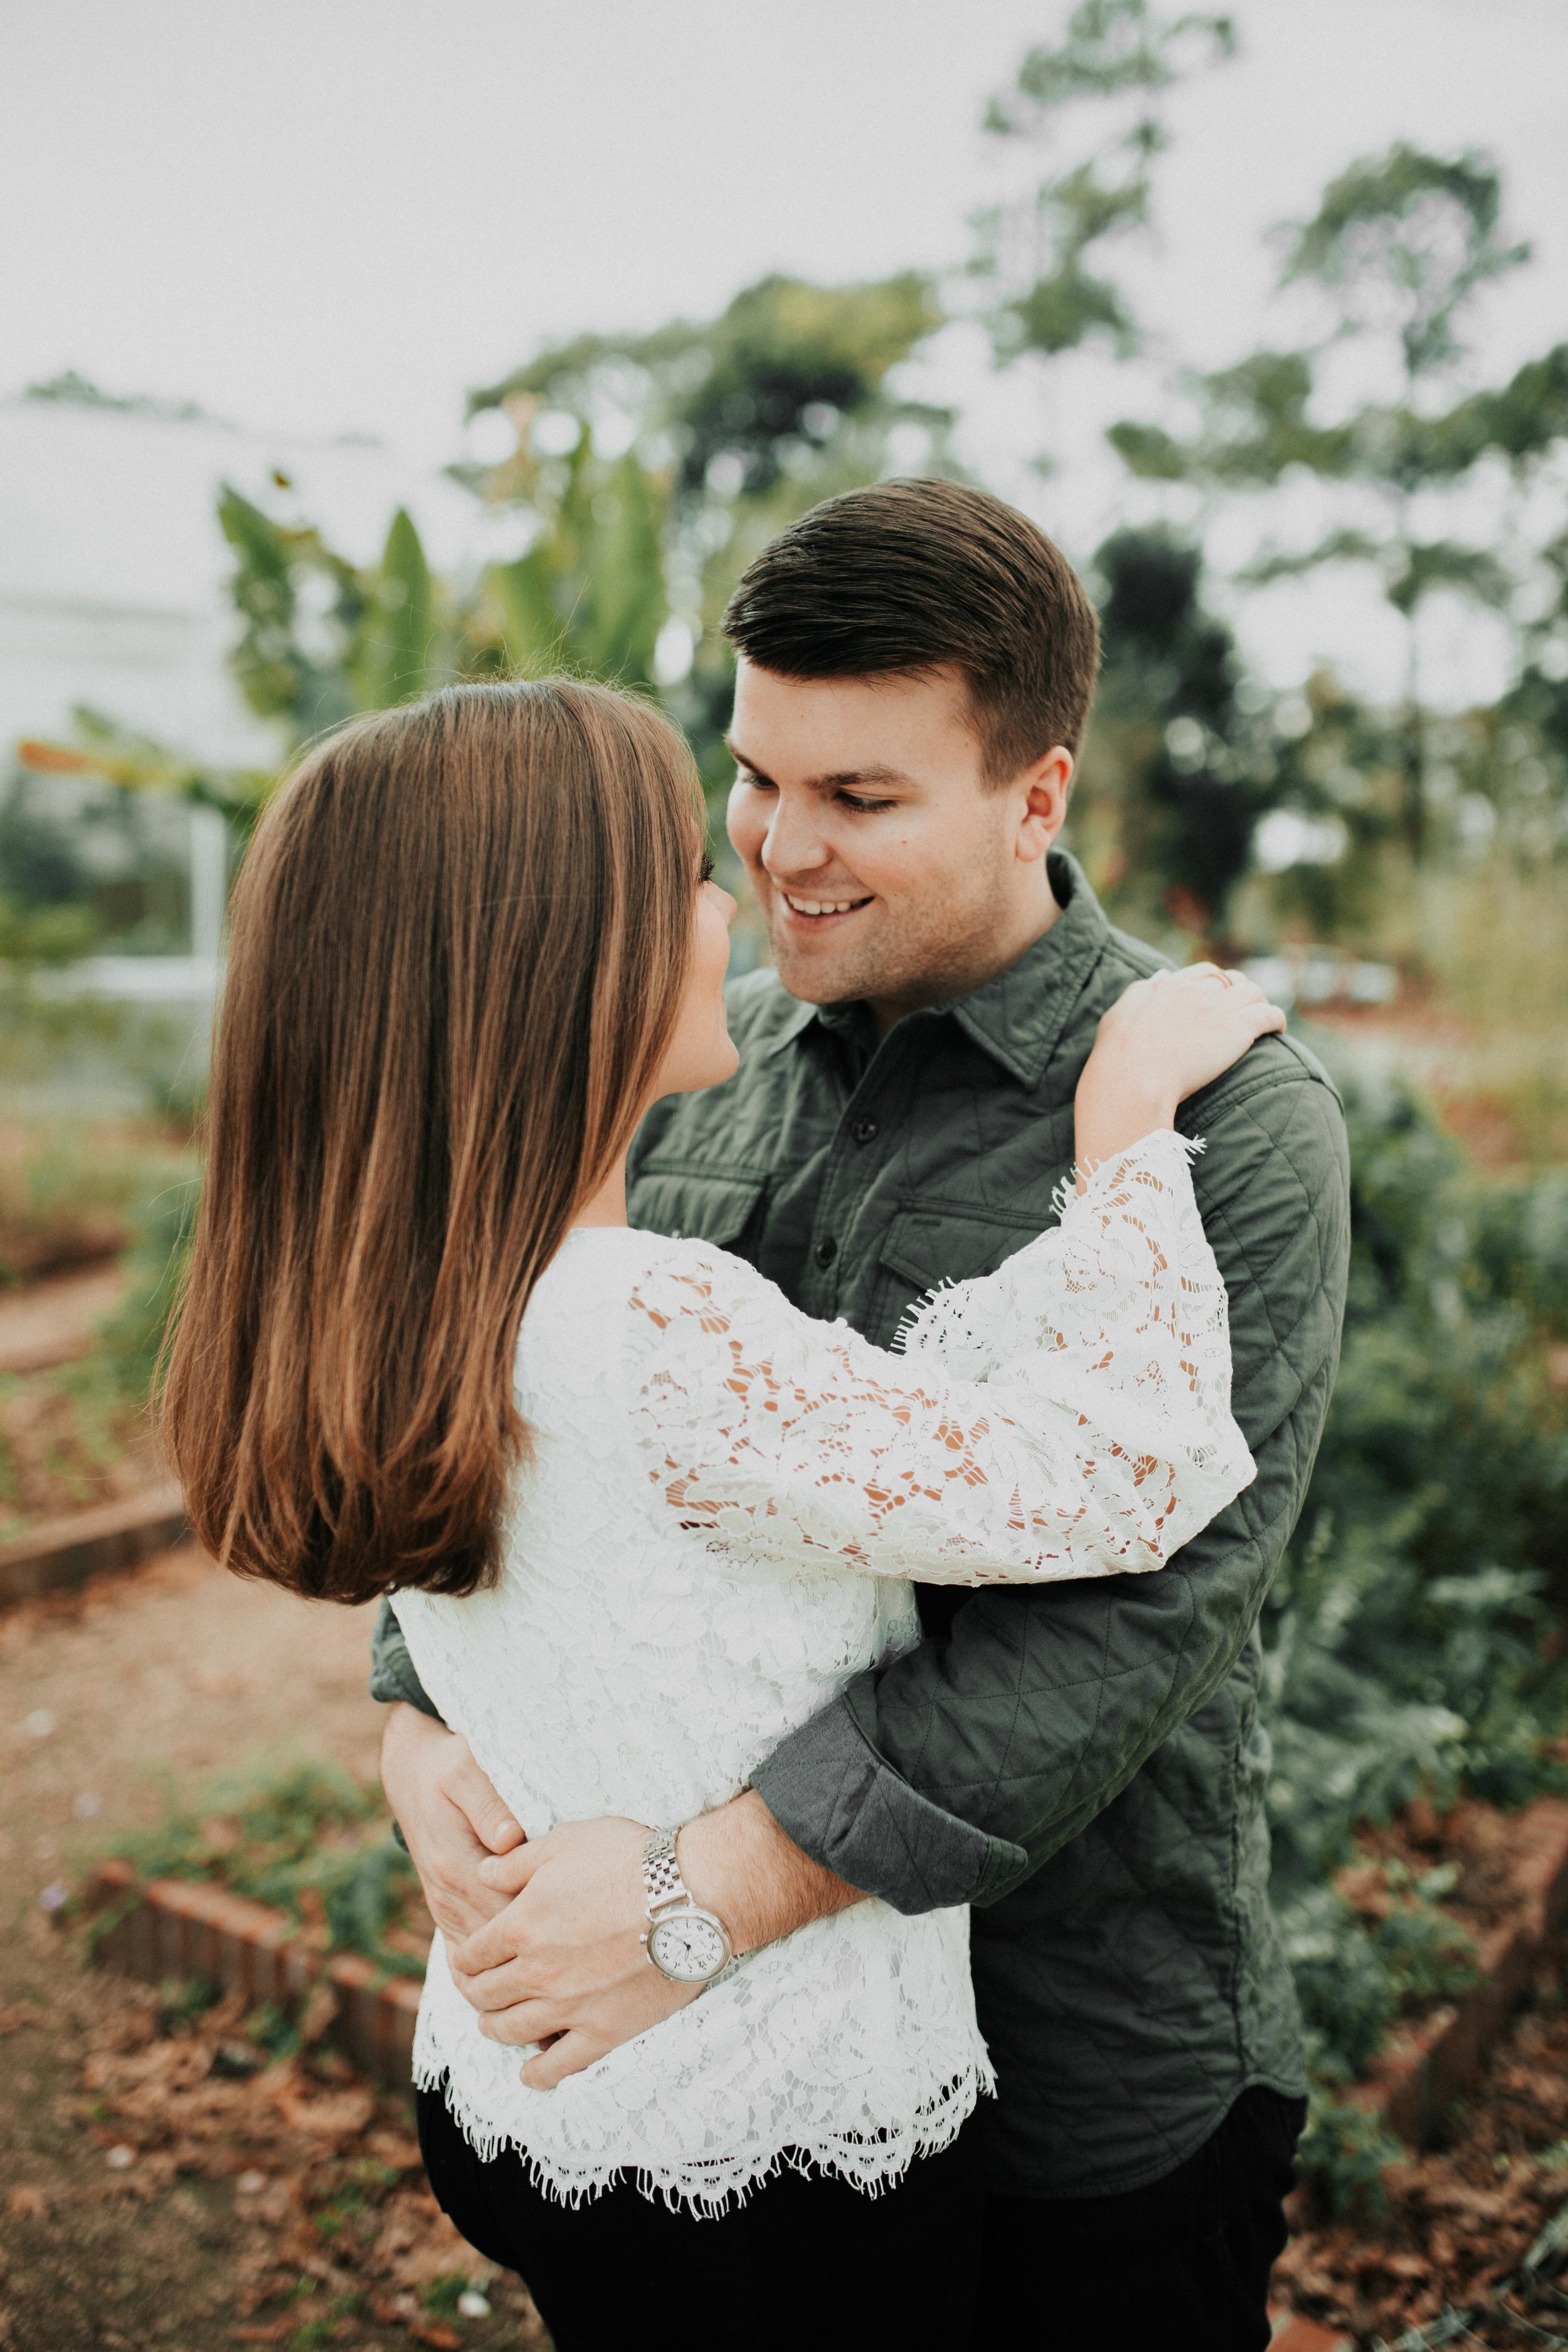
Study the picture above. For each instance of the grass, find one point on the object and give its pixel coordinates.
(307, 1837)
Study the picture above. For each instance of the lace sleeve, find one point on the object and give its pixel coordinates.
(1093, 1435)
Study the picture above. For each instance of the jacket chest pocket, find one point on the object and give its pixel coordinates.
(696, 1204)
(926, 1247)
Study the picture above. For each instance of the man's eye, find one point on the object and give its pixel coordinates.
(755, 784)
(864, 807)
(707, 873)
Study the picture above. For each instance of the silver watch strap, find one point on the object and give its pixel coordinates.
(662, 1871)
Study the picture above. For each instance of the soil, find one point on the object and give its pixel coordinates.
(155, 2190)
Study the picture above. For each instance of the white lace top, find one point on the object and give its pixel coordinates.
(725, 1503)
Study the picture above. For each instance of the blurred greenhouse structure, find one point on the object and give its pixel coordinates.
(115, 600)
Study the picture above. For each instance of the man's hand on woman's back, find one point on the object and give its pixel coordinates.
(450, 1816)
(564, 1963)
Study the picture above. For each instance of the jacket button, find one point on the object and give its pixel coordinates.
(866, 1130)
(826, 1252)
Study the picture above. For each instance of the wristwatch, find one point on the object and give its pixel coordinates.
(686, 1943)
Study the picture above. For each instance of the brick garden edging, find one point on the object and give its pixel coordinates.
(185, 1927)
(63, 1553)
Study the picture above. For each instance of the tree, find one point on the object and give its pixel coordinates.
(589, 592)
(643, 473)
(1399, 247)
(1177, 768)
(1175, 772)
(1033, 254)
(717, 431)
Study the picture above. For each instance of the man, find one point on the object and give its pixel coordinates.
(1081, 1762)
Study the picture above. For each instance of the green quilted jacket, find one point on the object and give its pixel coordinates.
(1081, 1762)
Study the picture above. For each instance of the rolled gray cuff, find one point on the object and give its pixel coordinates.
(392, 1674)
(843, 1803)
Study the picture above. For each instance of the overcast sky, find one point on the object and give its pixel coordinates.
(327, 215)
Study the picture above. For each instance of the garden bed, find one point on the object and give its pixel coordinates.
(288, 1890)
(1450, 2233)
(1509, 1894)
(170, 1928)
(1445, 2228)
(92, 1224)
(63, 1555)
(70, 1442)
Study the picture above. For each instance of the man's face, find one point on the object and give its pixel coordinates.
(887, 868)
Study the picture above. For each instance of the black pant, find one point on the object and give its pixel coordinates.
(1184, 2264)
(808, 2260)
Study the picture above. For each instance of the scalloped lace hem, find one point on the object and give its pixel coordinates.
(707, 2185)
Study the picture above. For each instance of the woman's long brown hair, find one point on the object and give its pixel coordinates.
(458, 944)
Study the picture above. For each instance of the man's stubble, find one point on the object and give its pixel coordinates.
(933, 950)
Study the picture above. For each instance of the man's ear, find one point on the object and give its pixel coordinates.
(1045, 787)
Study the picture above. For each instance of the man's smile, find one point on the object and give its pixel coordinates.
(816, 914)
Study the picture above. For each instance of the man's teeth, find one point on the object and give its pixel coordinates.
(822, 905)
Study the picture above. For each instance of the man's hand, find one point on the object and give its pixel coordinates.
(449, 1814)
(565, 1962)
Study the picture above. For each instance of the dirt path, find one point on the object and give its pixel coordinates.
(179, 1666)
(183, 1669)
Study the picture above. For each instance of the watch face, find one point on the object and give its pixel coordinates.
(689, 1947)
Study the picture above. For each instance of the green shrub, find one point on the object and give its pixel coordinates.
(1344, 2152)
(1403, 1650)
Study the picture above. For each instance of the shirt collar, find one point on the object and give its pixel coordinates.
(1019, 1017)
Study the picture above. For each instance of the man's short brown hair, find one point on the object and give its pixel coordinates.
(903, 578)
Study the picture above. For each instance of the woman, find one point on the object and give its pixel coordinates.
(639, 1515)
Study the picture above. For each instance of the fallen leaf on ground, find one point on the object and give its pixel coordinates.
(436, 2333)
(333, 2115)
(27, 2203)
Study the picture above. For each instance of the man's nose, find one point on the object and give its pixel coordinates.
(793, 843)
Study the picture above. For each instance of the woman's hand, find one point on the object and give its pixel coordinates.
(1163, 1039)
(450, 1816)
